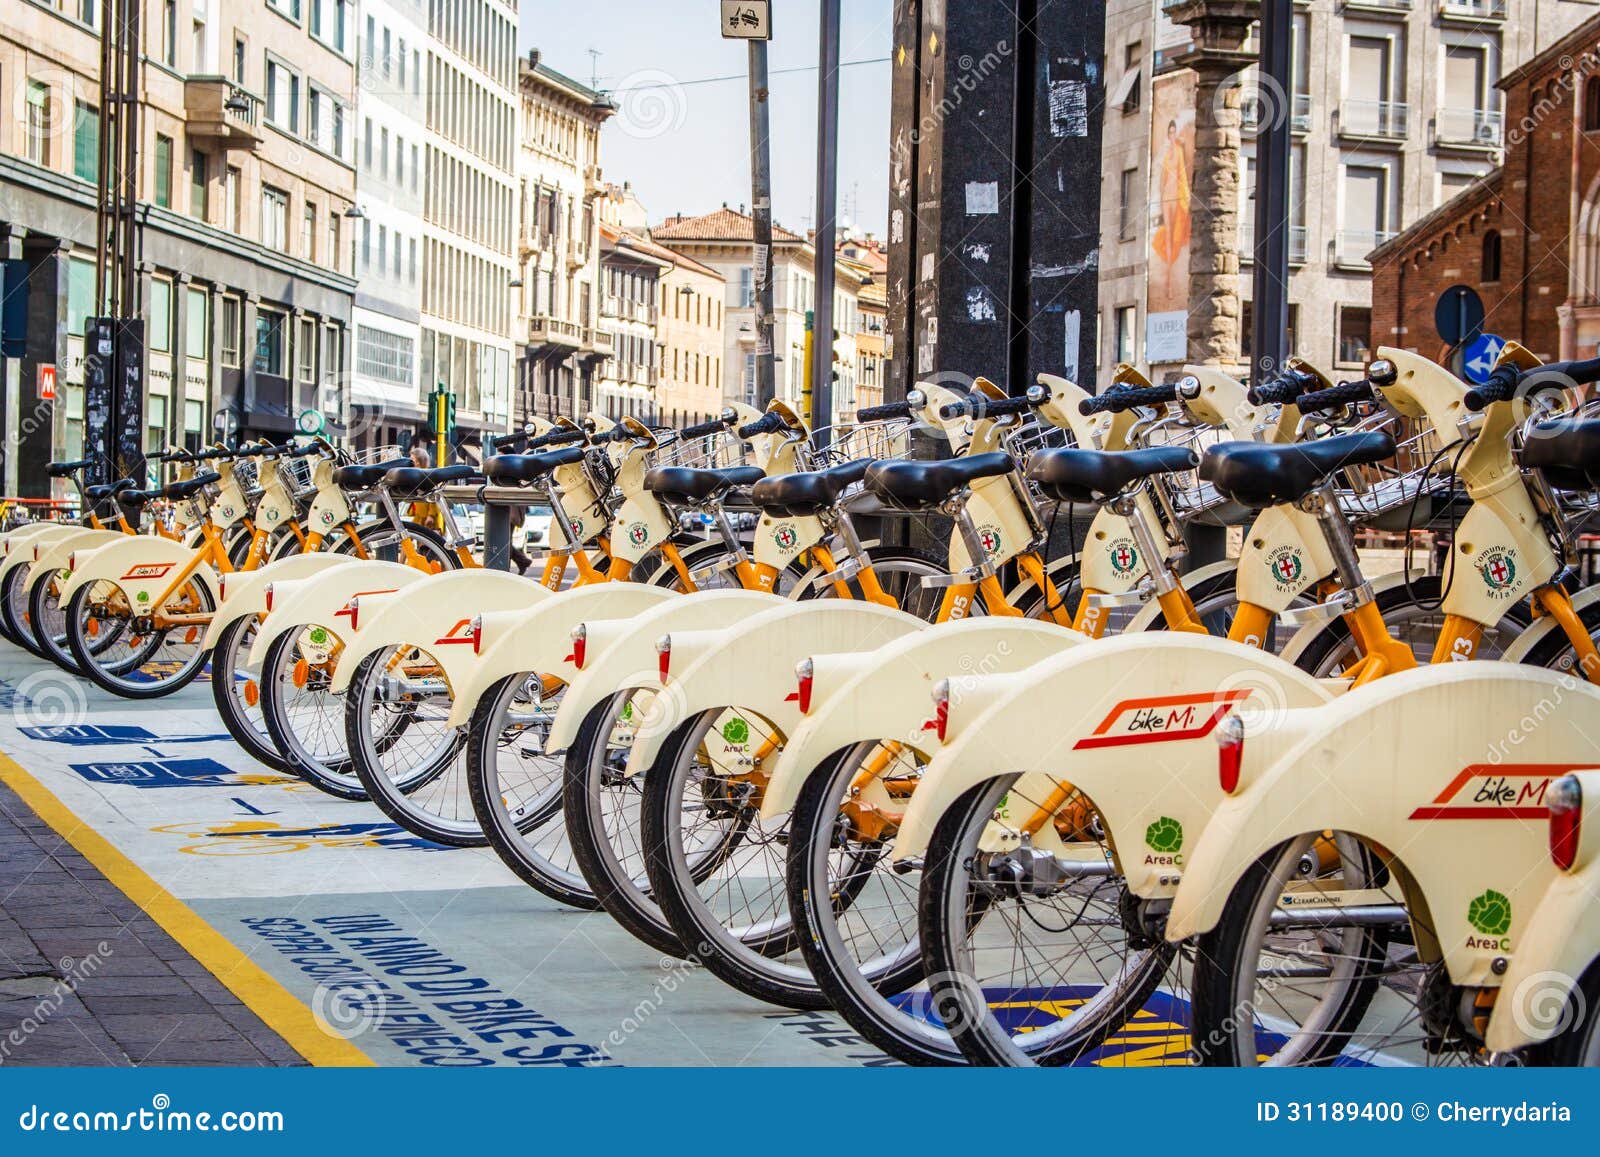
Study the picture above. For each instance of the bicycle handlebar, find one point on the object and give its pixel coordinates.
(1117, 401)
(1335, 396)
(1504, 382)
(769, 423)
(714, 426)
(885, 412)
(978, 406)
(1282, 388)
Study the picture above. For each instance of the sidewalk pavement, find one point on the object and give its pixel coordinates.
(86, 978)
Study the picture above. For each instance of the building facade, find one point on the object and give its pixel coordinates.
(1526, 237)
(245, 175)
(689, 335)
(386, 388)
(469, 250)
(632, 270)
(558, 243)
(1394, 109)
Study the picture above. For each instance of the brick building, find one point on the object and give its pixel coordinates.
(1527, 236)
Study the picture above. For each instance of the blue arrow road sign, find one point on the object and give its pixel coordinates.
(1479, 357)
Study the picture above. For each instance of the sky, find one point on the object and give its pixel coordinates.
(683, 138)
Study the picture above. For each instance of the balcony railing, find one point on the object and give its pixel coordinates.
(1299, 112)
(1472, 9)
(219, 111)
(1351, 246)
(1298, 235)
(1468, 126)
(626, 310)
(1375, 119)
(600, 340)
(546, 330)
(1378, 5)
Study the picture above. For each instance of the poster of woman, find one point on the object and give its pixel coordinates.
(1171, 178)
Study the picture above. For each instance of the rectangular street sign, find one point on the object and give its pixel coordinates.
(746, 20)
(47, 383)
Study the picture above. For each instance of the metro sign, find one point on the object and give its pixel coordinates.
(1506, 791)
(1162, 719)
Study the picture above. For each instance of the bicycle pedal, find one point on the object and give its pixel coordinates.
(847, 571)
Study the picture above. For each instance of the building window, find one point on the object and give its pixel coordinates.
(1491, 256)
(283, 97)
(1355, 334)
(38, 123)
(305, 350)
(160, 328)
(232, 315)
(271, 338)
(386, 357)
(169, 33)
(747, 288)
(308, 232)
(86, 143)
(163, 196)
(199, 187)
(333, 240)
(1128, 201)
(238, 59)
(274, 218)
(232, 192)
(290, 8)
(1591, 104)
(196, 332)
(1124, 339)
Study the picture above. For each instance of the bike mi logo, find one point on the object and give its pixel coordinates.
(638, 534)
(1165, 838)
(989, 539)
(1490, 913)
(1123, 556)
(1498, 566)
(785, 536)
(1286, 566)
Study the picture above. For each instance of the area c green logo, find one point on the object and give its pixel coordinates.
(736, 730)
(1164, 836)
(1490, 913)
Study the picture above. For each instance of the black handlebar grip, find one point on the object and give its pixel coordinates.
(978, 406)
(1116, 401)
(769, 423)
(1281, 389)
(885, 412)
(561, 436)
(1335, 396)
(714, 426)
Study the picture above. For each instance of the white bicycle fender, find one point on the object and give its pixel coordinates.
(538, 638)
(20, 544)
(244, 592)
(1525, 642)
(324, 600)
(1557, 947)
(862, 696)
(436, 614)
(751, 664)
(622, 651)
(1128, 722)
(58, 553)
(1453, 803)
(141, 564)
(1149, 616)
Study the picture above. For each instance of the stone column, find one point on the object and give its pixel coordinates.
(1214, 311)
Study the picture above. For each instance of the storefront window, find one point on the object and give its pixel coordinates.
(160, 336)
(197, 329)
(271, 340)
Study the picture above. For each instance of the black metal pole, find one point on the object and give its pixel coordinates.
(1270, 285)
(827, 211)
(761, 222)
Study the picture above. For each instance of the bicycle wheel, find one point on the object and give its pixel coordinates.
(1025, 969)
(716, 868)
(304, 718)
(899, 571)
(1579, 1044)
(379, 539)
(408, 761)
(122, 649)
(1555, 652)
(236, 690)
(1413, 618)
(48, 623)
(515, 786)
(14, 606)
(1284, 980)
(864, 954)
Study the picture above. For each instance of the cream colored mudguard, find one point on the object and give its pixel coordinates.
(21, 542)
(63, 551)
(1559, 944)
(244, 592)
(750, 665)
(436, 615)
(326, 599)
(1445, 766)
(143, 565)
(538, 638)
(621, 652)
(1128, 722)
(863, 696)
(1527, 640)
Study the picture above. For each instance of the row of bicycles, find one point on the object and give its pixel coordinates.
(959, 741)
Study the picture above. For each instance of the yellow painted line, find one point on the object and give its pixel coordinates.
(260, 992)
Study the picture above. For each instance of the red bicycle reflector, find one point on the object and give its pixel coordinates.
(804, 673)
(477, 635)
(941, 708)
(580, 645)
(1230, 753)
(269, 596)
(664, 655)
(1565, 801)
